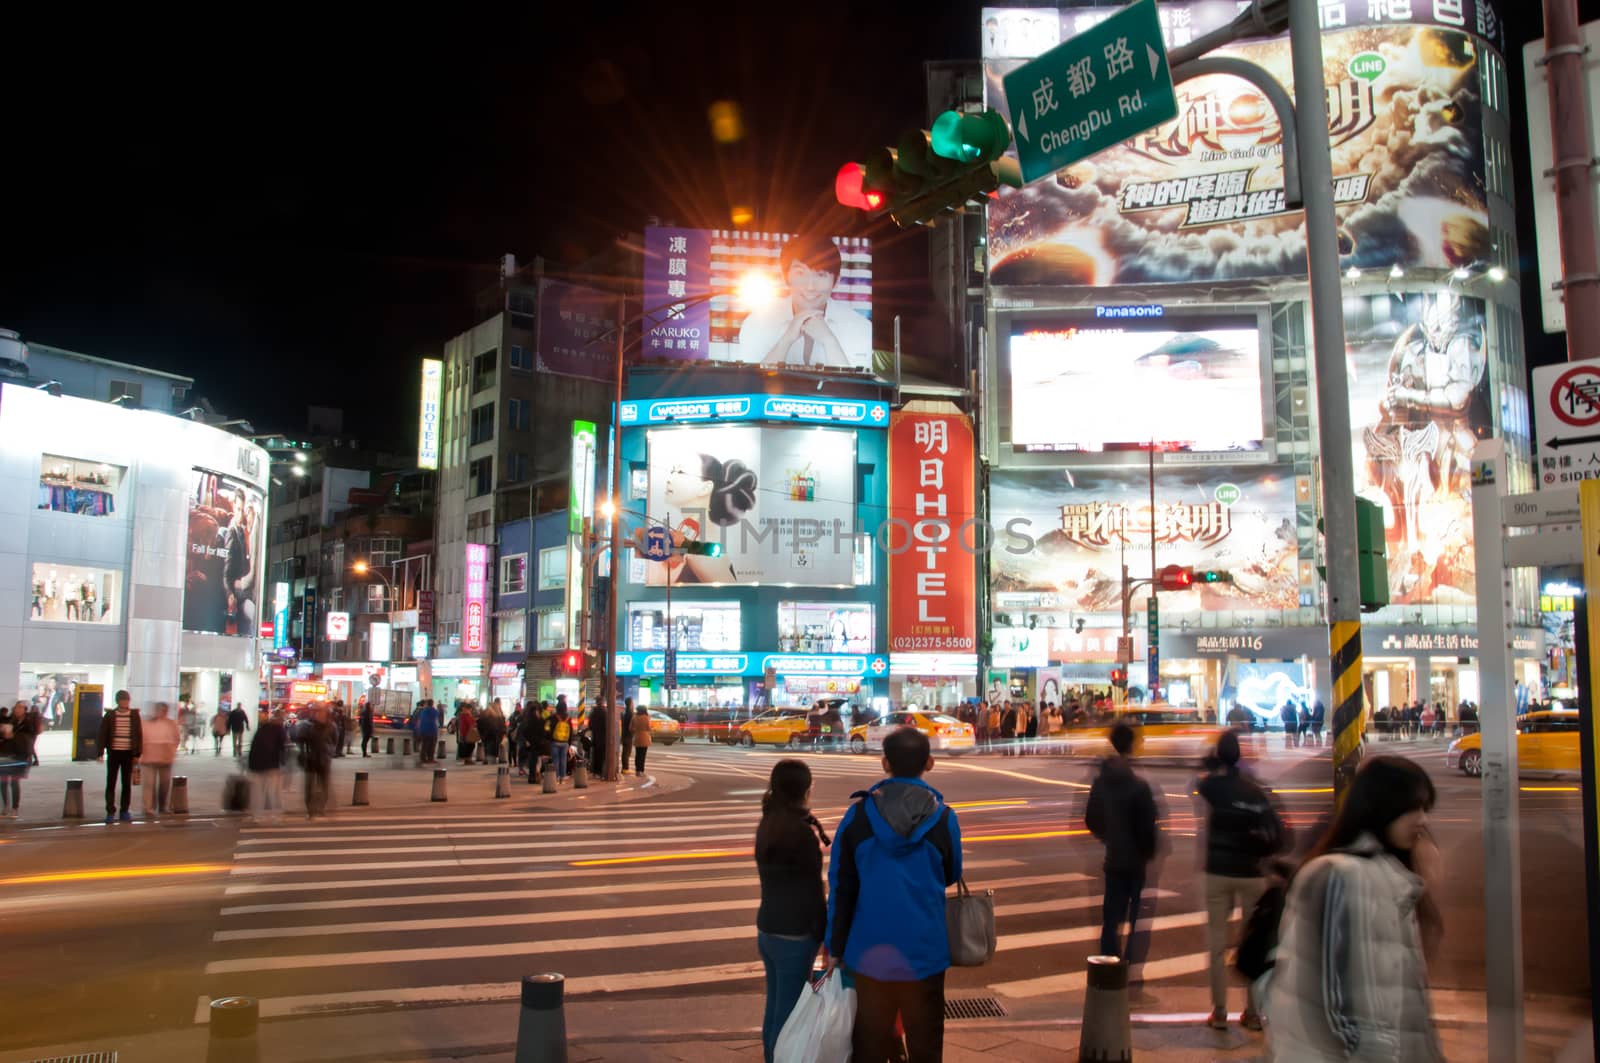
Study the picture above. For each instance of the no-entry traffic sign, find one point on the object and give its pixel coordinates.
(1566, 418)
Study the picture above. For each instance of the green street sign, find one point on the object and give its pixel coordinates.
(1095, 90)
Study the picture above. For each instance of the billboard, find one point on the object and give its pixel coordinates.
(222, 577)
(698, 307)
(932, 566)
(474, 596)
(577, 331)
(1063, 535)
(338, 626)
(1193, 382)
(781, 501)
(428, 416)
(1200, 198)
(1419, 402)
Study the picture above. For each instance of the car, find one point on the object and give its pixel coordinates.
(1160, 730)
(946, 734)
(775, 727)
(1546, 741)
(664, 730)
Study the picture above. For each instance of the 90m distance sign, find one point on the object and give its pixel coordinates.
(1086, 94)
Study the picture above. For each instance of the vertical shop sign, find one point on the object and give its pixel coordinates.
(428, 415)
(472, 619)
(929, 537)
(280, 615)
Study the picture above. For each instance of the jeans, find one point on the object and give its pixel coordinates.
(366, 736)
(269, 783)
(638, 759)
(118, 761)
(316, 790)
(426, 745)
(1122, 902)
(238, 742)
(1222, 893)
(157, 787)
(788, 963)
(10, 793)
(558, 757)
(920, 1006)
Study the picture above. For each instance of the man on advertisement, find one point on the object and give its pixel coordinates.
(808, 327)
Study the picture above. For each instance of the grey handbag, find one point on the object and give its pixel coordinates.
(969, 921)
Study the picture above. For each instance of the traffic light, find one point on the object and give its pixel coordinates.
(1213, 576)
(928, 173)
(1119, 677)
(695, 546)
(1175, 578)
(1372, 559)
(571, 662)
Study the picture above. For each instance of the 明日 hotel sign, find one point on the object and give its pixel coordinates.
(932, 582)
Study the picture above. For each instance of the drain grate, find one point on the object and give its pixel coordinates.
(87, 1057)
(974, 1008)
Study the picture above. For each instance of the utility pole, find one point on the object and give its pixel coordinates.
(613, 760)
(1333, 392)
(1574, 167)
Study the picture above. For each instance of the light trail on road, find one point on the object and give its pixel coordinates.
(154, 871)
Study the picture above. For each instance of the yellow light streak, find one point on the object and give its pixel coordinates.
(101, 874)
(658, 857)
(1022, 837)
(1311, 790)
(1550, 789)
(987, 804)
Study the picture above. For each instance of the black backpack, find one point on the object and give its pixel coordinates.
(1260, 937)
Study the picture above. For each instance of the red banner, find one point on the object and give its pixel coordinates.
(930, 534)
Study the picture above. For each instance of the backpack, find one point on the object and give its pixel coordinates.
(563, 730)
(1260, 939)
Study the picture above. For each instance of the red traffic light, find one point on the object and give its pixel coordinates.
(848, 191)
(1175, 578)
(572, 662)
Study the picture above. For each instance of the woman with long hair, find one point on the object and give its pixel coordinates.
(1351, 979)
(794, 906)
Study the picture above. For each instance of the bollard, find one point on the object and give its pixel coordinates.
(542, 1025)
(580, 775)
(406, 750)
(233, 1031)
(359, 795)
(1106, 1036)
(180, 795)
(72, 808)
(502, 781)
(549, 779)
(443, 752)
(390, 749)
(438, 785)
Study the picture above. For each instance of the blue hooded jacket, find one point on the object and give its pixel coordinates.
(896, 851)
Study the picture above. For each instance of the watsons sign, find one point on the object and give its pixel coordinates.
(861, 413)
(756, 664)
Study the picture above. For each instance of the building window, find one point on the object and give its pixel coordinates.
(385, 552)
(480, 480)
(862, 569)
(483, 518)
(521, 358)
(517, 414)
(553, 568)
(70, 485)
(509, 638)
(514, 574)
(131, 390)
(483, 371)
(482, 423)
(708, 627)
(825, 627)
(516, 467)
(65, 593)
(377, 598)
(552, 629)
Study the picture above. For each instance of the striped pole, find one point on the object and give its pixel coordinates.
(1348, 722)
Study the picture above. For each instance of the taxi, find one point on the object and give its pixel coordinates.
(946, 734)
(775, 727)
(664, 729)
(1547, 740)
(1160, 730)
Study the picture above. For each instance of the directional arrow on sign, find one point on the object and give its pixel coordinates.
(1556, 443)
(1155, 59)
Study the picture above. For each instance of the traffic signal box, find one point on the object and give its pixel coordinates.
(1372, 556)
(927, 173)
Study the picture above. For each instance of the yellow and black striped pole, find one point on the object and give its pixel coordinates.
(1348, 722)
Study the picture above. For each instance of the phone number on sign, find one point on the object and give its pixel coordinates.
(937, 642)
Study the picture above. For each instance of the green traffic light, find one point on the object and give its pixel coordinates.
(970, 138)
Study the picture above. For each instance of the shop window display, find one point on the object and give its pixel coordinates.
(825, 627)
(73, 594)
(71, 485)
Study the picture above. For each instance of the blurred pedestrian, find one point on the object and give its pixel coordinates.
(238, 724)
(219, 731)
(427, 732)
(560, 741)
(364, 721)
(1351, 978)
(161, 738)
(599, 744)
(793, 915)
(641, 738)
(1291, 726)
(316, 751)
(626, 735)
(121, 742)
(1319, 713)
(1242, 830)
(514, 738)
(265, 761)
(16, 756)
(1008, 728)
(491, 729)
(1122, 813)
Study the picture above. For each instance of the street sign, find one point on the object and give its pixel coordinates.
(669, 677)
(266, 629)
(657, 543)
(1095, 90)
(1566, 408)
(1153, 649)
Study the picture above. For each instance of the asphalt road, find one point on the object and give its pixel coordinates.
(645, 905)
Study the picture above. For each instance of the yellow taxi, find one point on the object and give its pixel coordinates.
(1160, 730)
(946, 734)
(775, 727)
(1547, 740)
(664, 730)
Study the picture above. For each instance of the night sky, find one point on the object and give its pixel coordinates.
(293, 208)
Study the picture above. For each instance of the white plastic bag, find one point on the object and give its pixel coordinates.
(818, 1029)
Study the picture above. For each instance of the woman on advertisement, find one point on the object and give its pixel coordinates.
(703, 487)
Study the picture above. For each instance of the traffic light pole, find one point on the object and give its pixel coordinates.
(613, 759)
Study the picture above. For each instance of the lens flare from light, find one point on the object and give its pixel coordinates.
(757, 289)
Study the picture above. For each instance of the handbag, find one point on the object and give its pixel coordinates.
(969, 922)
(138, 775)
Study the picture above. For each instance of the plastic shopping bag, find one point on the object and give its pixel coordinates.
(818, 1029)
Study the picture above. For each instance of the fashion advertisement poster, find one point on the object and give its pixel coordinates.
(1062, 537)
(1419, 402)
(223, 576)
(780, 501)
(1201, 197)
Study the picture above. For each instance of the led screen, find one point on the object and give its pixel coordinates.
(1105, 384)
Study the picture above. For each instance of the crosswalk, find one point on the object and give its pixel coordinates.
(654, 897)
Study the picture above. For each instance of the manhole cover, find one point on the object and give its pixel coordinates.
(974, 1008)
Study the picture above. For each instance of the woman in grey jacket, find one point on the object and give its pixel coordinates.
(1351, 981)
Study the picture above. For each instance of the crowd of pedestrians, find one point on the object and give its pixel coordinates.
(1394, 723)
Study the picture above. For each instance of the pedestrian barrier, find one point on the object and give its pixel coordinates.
(179, 802)
(502, 781)
(549, 779)
(233, 1031)
(72, 808)
(390, 750)
(542, 1024)
(359, 795)
(1107, 1036)
(580, 775)
(438, 785)
(405, 752)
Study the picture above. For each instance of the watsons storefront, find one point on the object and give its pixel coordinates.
(751, 681)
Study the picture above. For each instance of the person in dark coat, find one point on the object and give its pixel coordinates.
(1122, 814)
(317, 753)
(265, 760)
(626, 737)
(238, 724)
(598, 735)
(364, 718)
(793, 915)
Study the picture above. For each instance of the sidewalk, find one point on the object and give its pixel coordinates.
(393, 782)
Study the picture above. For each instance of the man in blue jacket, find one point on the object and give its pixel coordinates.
(896, 851)
(427, 732)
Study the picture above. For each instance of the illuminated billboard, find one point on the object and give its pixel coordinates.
(428, 418)
(222, 577)
(814, 311)
(475, 595)
(1201, 197)
(1191, 383)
